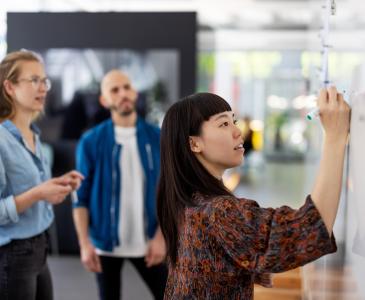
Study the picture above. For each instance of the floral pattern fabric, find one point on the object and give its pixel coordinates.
(227, 244)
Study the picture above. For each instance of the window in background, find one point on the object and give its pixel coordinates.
(277, 88)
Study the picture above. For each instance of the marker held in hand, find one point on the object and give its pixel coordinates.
(314, 113)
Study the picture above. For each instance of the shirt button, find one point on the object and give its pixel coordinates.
(245, 263)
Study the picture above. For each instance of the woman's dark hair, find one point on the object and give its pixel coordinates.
(181, 172)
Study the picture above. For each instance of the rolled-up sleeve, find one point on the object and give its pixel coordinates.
(8, 212)
(270, 240)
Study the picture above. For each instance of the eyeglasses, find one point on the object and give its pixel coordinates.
(37, 81)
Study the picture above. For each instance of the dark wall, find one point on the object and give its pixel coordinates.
(132, 30)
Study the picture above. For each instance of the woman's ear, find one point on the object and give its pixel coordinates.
(8, 86)
(194, 144)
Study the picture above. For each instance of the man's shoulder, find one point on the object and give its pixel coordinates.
(98, 131)
(149, 127)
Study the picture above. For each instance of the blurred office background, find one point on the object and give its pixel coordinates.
(264, 57)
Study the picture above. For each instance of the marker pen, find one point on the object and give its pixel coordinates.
(74, 197)
(314, 113)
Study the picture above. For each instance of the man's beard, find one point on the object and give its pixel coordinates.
(126, 113)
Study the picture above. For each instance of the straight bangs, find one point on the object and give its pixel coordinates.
(205, 105)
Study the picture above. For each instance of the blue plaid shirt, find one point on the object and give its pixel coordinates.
(21, 170)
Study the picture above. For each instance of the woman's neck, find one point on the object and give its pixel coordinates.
(22, 122)
(211, 168)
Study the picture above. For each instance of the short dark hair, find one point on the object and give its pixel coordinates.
(181, 172)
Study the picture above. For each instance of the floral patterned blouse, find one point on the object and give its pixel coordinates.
(227, 244)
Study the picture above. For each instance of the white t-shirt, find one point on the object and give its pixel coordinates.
(132, 237)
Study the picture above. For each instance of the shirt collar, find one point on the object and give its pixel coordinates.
(9, 125)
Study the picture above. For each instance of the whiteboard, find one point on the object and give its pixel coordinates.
(356, 182)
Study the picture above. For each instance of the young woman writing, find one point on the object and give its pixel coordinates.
(219, 245)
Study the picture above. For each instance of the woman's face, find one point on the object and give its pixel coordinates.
(30, 90)
(220, 145)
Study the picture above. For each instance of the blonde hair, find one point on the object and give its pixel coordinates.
(10, 68)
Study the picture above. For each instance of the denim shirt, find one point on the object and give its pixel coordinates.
(21, 170)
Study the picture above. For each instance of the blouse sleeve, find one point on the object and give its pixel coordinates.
(269, 240)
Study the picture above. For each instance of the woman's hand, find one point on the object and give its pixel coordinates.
(335, 118)
(334, 114)
(54, 190)
(74, 178)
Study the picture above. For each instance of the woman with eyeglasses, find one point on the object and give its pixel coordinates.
(219, 245)
(27, 192)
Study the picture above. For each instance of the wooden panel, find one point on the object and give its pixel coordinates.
(286, 286)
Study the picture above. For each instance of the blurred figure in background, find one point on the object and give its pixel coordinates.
(115, 213)
(27, 192)
(247, 134)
